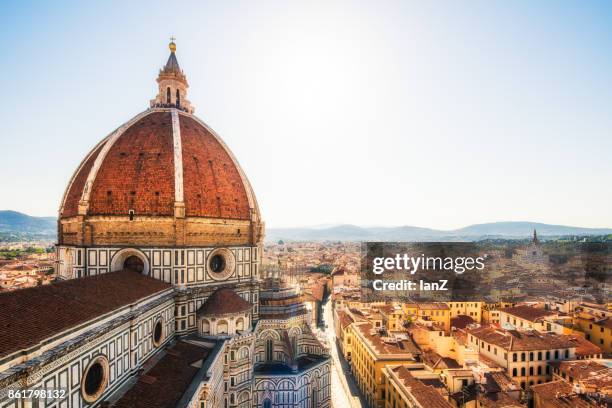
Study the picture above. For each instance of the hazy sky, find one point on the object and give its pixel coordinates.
(436, 114)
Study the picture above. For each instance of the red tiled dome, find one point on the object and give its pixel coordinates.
(135, 168)
(224, 301)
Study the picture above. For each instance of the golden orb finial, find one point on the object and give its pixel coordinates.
(172, 45)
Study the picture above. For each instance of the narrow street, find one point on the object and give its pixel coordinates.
(345, 393)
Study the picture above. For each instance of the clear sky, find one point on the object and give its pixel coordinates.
(436, 114)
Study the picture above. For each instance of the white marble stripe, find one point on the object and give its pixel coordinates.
(78, 170)
(178, 157)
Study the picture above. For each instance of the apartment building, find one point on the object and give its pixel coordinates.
(438, 313)
(472, 309)
(597, 330)
(371, 352)
(406, 391)
(526, 355)
(527, 317)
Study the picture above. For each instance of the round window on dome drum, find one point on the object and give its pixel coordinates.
(217, 263)
(134, 263)
(221, 264)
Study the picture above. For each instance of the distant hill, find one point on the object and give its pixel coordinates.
(522, 229)
(13, 221)
(509, 230)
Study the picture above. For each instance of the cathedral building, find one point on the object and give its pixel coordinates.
(160, 301)
(534, 253)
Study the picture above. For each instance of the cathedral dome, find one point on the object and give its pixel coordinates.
(164, 163)
(149, 164)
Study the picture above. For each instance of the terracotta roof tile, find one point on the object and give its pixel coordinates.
(345, 319)
(521, 340)
(528, 313)
(426, 395)
(461, 321)
(498, 400)
(224, 301)
(164, 385)
(433, 306)
(390, 345)
(212, 184)
(29, 316)
(138, 171)
(558, 394)
(583, 346)
(586, 369)
(436, 361)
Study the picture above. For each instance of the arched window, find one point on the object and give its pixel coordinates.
(133, 263)
(240, 324)
(222, 327)
(267, 403)
(168, 95)
(205, 326)
(269, 350)
(314, 403)
(514, 372)
(178, 99)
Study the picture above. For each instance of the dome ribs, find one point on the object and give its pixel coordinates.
(136, 171)
(71, 203)
(212, 183)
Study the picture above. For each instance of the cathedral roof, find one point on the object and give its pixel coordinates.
(33, 315)
(166, 383)
(224, 301)
(160, 158)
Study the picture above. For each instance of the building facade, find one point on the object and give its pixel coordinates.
(526, 356)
